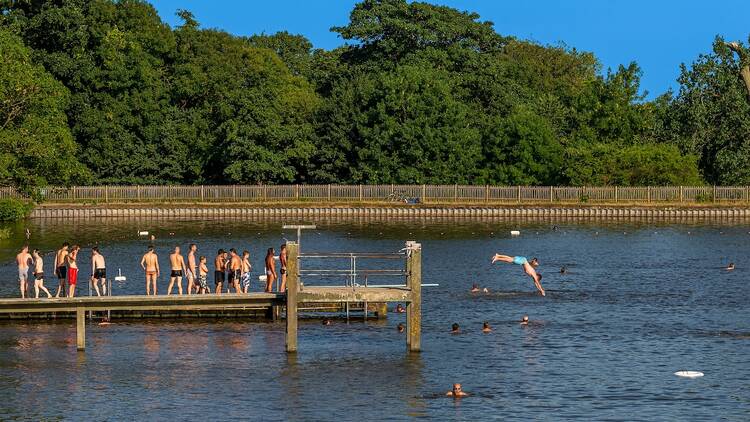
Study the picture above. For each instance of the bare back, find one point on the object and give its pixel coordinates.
(270, 264)
(149, 260)
(191, 261)
(235, 263)
(38, 265)
(22, 259)
(97, 262)
(177, 261)
(60, 257)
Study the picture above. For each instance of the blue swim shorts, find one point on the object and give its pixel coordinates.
(520, 260)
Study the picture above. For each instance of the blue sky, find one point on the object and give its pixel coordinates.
(658, 34)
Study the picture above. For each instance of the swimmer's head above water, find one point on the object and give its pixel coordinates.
(455, 328)
(400, 327)
(525, 320)
(534, 262)
(486, 327)
(730, 266)
(456, 391)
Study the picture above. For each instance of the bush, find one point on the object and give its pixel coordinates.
(14, 210)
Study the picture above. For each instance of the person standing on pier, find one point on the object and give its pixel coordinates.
(192, 274)
(61, 271)
(246, 267)
(98, 271)
(203, 276)
(39, 274)
(23, 259)
(220, 263)
(178, 270)
(528, 267)
(150, 264)
(270, 270)
(282, 264)
(235, 265)
(72, 261)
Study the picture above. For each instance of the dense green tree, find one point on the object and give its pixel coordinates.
(36, 147)
(711, 114)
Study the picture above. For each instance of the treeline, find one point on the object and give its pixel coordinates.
(102, 91)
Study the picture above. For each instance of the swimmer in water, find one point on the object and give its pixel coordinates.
(730, 267)
(528, 267)
(400, 309)
(456, 392)
(455, 329)
(400, 327)
(326, 322)
(486, 327)
(474, 288)
(524, 320)
(563, 270)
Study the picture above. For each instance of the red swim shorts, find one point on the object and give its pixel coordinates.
(72, 276)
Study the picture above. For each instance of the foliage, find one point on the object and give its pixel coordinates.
(419, 94)
(13, 210)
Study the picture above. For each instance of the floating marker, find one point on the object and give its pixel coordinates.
(119, 276)
(689, 374)
(263, 277)
(515, 233)
(142, 233)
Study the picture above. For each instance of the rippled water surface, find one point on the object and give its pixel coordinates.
(640, 302)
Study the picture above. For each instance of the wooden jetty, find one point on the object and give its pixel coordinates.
(298, 298)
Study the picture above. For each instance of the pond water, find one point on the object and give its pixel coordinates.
(639, 302)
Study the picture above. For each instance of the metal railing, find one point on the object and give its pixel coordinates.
(469, 194)
(355, 273)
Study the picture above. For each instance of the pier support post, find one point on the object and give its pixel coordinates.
(292, 287)
(81, 328)
(381, 309)
(414, 307)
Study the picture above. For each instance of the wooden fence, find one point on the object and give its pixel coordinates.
(391, 193)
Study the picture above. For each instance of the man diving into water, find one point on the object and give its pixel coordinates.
(528, 267)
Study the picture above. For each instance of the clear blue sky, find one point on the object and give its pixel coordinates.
(658, 34)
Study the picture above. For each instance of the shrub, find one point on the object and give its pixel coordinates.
(14, 210)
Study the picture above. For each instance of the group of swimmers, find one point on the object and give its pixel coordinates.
(231, 270)
(65, 269)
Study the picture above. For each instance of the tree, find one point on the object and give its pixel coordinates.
(711, 115)
(36, 147)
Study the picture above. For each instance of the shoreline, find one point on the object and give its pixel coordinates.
(344, 212)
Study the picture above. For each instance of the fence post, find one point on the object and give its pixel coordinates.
(616, 194)
(682, 194)
(519, 194)
(551, 194)
(648, 194)
(329, 192)
(360, 192)
(203, 194)
(106, 193)
(424, 193)
(234, 192)
(486, 193)
(455, 192)
(714, 193)
(138, 192)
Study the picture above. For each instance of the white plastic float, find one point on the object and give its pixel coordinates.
(515, 233)
(689, 374)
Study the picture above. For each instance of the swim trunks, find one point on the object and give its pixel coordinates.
(202, 282)
(72, 276)
(100, 273)
(39, 276)
(176, 273)
(218, 277)
(61, 272)
(245, 280)
(23, 274)
(283, 270)
(234, 276)
(520, 260)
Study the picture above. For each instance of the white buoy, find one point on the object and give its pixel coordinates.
(515, 233)
(689, 374)
(263, 277)
(143, 233)
(119, 276)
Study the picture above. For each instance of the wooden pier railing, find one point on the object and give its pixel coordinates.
(390, 193)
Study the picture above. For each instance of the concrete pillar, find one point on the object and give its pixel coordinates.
(292, 287)
(381, 309)
(81, 329)
(414, 307)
